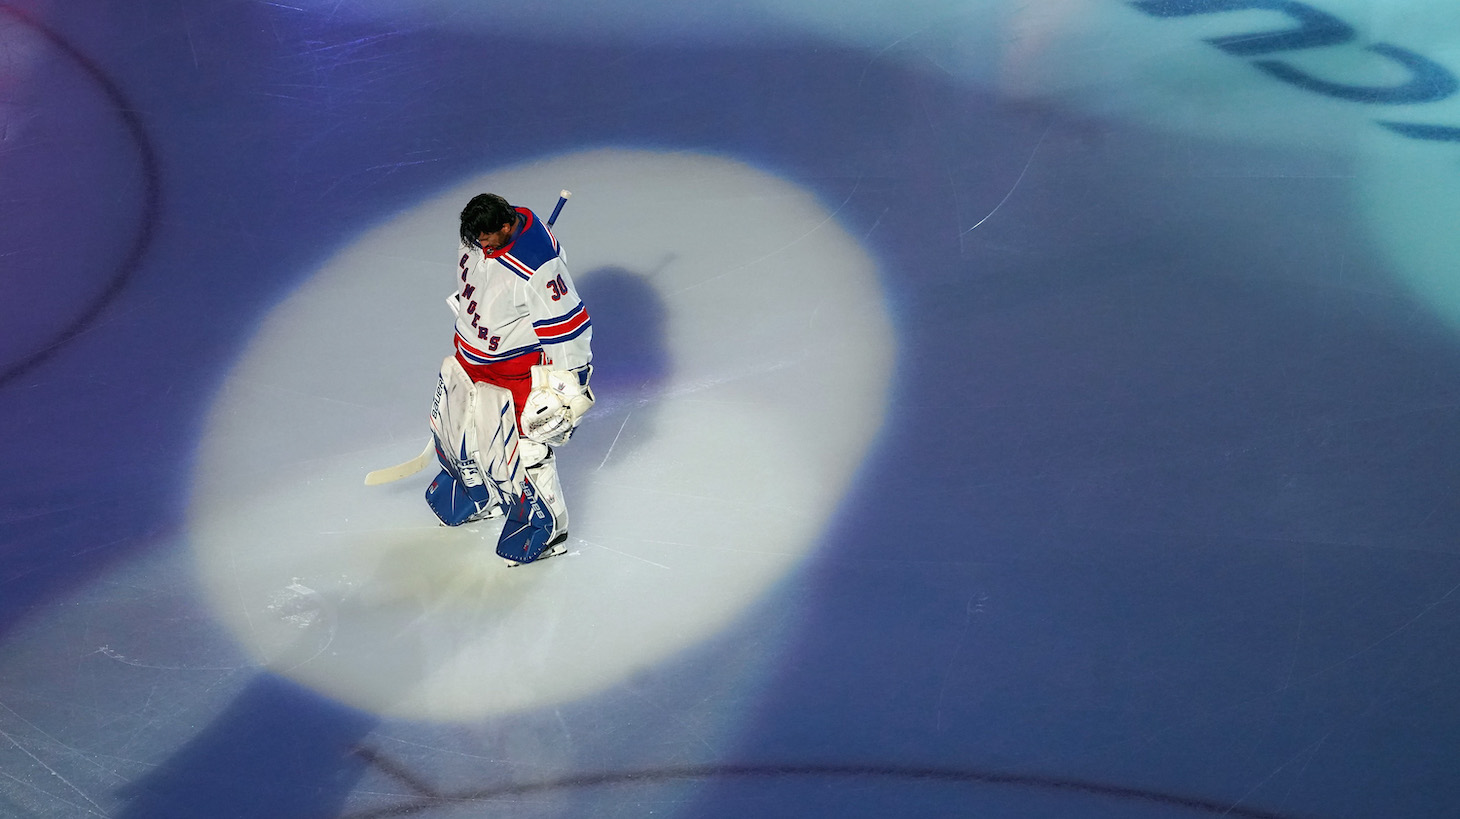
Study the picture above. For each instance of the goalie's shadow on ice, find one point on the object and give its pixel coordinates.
(630, 367)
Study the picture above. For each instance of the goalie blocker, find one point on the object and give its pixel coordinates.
(487, 467)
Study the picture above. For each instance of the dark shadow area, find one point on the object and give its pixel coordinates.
(630, 364)
(54, 166)
(628, 334)
(278, 751)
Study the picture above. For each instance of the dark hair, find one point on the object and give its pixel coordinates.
(485, 213)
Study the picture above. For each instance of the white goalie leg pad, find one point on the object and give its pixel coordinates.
(531, 453)
(497, 443)
(451, 414)
(544, 477)
(475, 427)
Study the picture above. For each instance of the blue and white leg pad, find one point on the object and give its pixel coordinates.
(536, 517)
(477, 444)
(456, 503)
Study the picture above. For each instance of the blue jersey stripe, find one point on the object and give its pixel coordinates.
(569, 336)
(560, 319)
(488, 359)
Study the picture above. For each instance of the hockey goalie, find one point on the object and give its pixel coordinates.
(516, 386)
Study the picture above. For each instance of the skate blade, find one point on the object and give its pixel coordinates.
(552, 551)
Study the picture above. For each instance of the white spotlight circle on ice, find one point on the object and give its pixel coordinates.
(688, 501)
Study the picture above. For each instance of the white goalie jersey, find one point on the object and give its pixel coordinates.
(520, 300)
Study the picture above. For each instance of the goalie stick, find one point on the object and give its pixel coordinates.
(405, 470)
(563, 197)
(416, 464)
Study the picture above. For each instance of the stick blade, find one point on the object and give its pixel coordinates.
(405, 470)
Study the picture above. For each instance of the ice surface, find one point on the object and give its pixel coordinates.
(691, 496)
(1006, 409)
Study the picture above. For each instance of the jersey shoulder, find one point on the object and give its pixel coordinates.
(534, 246)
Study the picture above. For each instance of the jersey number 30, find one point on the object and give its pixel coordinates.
(558, 286)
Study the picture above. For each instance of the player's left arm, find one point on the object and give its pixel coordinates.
(560, 318)
(560, 392)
